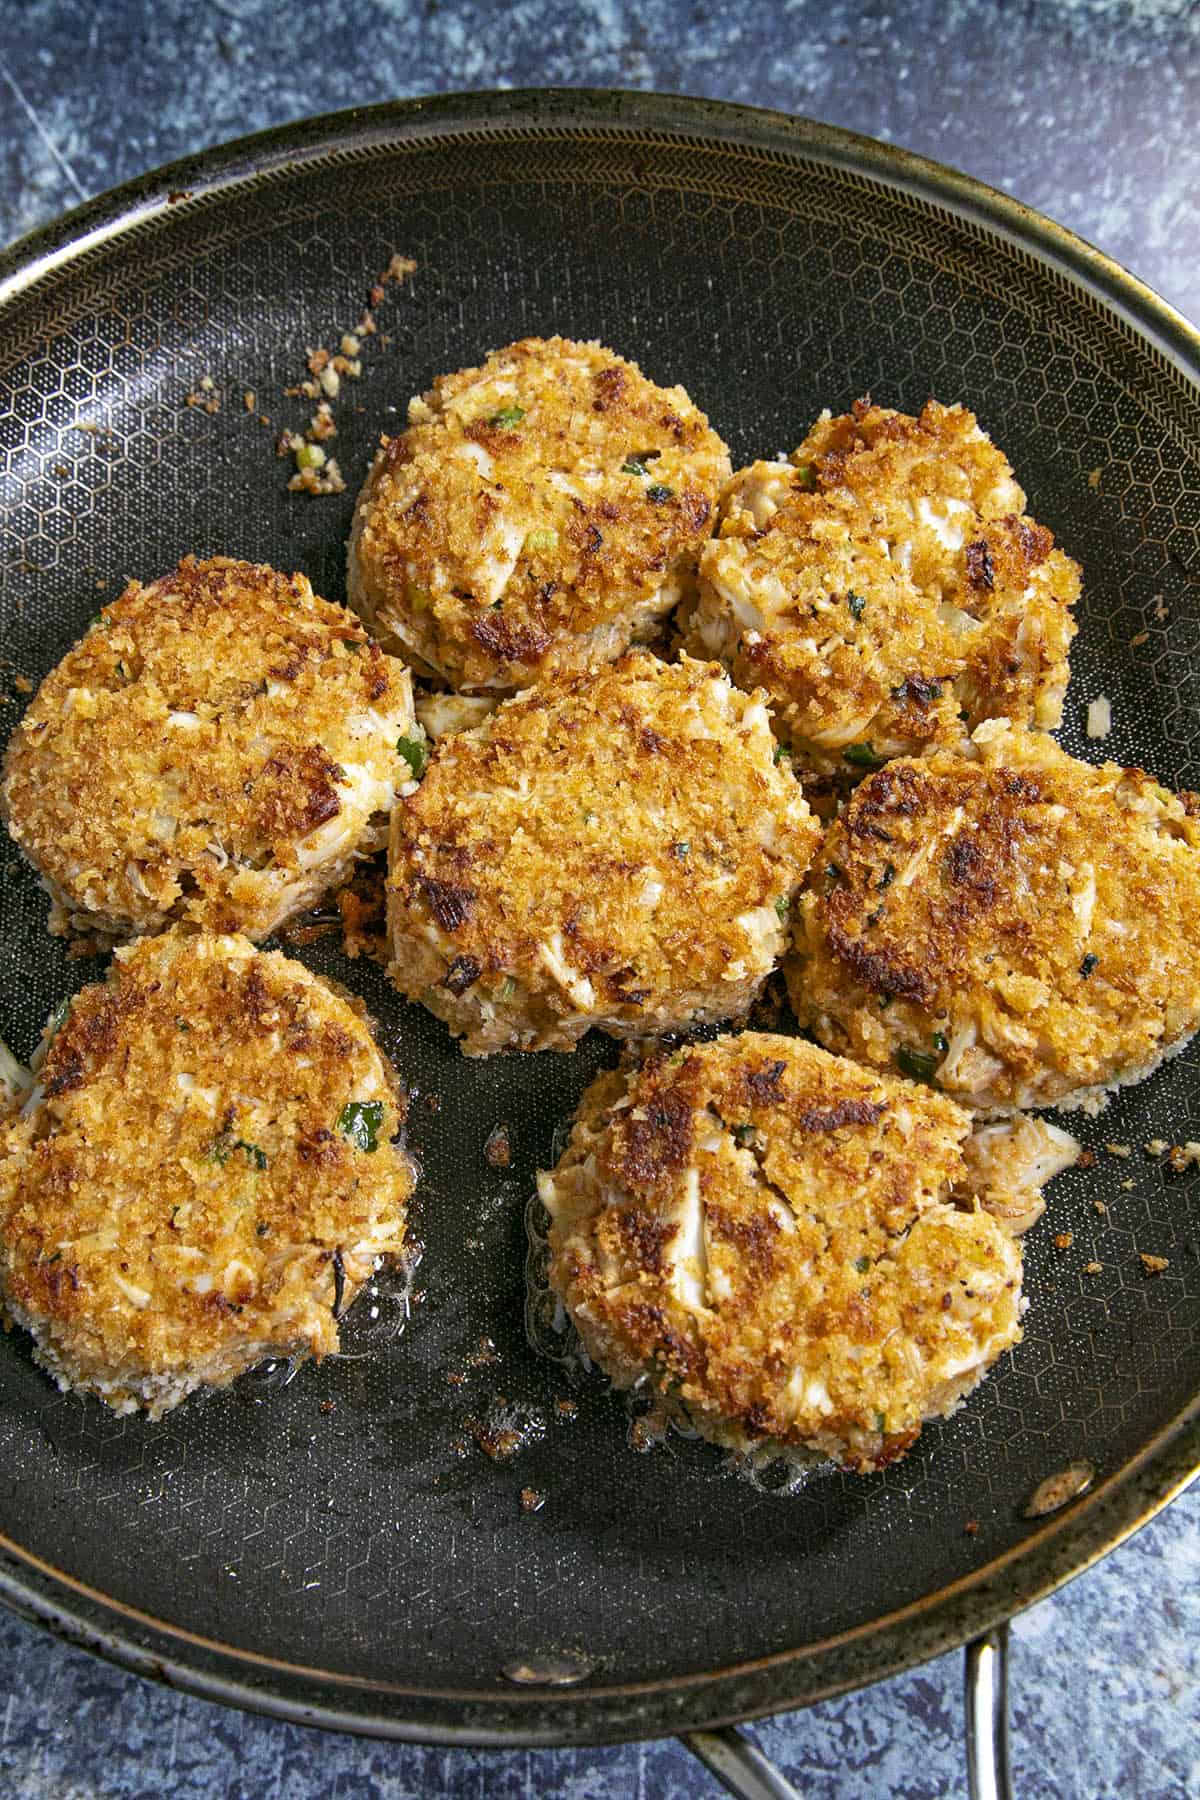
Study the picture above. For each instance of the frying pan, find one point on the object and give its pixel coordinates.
(336, 1548)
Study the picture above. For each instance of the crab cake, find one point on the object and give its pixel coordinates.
(541, 513)
(203, 1176)
(218, 749)
(619, 851)
(768, 1235)
(1017, 927)
(884, 586)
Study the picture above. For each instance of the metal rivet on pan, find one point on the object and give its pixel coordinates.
(1067, 1484)
(563, 1669)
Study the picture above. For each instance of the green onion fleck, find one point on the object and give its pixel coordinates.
(917, 1064)
(544, 538)
(182, 1024)
(744, 1132)
(507, 417)
(310, 456)
(881, 1422)
(862, 756)
(782, 753)
(1088, 964)
(415, 753)
(941, 1042)
(354, 645)
(58, 1017)
(806, 477)
(783, 906)
(633, 466)
(360, 1120)
(887, 878)
(418, 598)
(658, 493)
(857, 604)
(682, 849)
(833, 874)
(508, 988)
(254, 1156)
(862, 1264)
(885, 1000)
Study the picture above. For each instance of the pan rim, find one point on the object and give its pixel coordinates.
(1066, 1545)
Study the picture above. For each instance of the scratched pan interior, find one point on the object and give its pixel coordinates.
(325, 1550)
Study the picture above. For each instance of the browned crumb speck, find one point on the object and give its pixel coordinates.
(1154, 1265)
(1063, 1240)
(498, 1150)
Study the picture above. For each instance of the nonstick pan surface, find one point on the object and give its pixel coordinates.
(339, 1548)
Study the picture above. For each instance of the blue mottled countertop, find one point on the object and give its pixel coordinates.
(1085, 109)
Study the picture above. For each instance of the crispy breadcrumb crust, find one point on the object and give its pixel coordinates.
(540, 513)
(218, 748)
(177, 1200)
(884, 586)
(1025, 924)
(765, 1233)
(619, 851)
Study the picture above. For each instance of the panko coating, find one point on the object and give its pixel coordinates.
(618, 851)
(540, 514)
(885, 587)
(218, 749)
(1017, 927)
(203, 1176)
(781, 1243)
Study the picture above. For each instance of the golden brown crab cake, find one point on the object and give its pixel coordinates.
(884, 586)
(1017, 927)
(617, 851)
(203, 1176)
(541, 513)
(769, 1236)
(219, 748)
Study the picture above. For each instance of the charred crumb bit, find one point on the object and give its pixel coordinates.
(498, 1149)
(1064, 1240)
(456, 1378)
(474, 1243)
(566, 1409)
(327, 1406)
(1153, 1265)
(1121, 1150)
(433, 1103)
(459, 1446)
(1087, 1159)
(971, 1527)
(532, 1500)
(485, 1352)
(1092, 1268)
(506, 1429)
(206, 395)
(325, 480)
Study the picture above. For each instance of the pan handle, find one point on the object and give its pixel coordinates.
(746, 1773)
(739, 1765)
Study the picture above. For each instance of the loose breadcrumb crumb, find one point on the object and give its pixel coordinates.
(1154, 1265)
(1064, 1240)
(1092, 1268)
(1121, 1150)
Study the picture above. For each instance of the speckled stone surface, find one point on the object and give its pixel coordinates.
(1085, 109)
